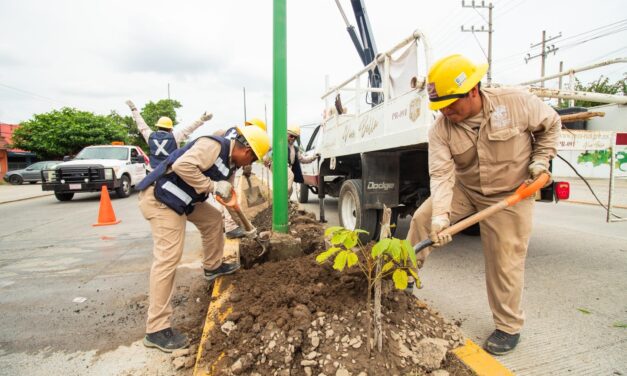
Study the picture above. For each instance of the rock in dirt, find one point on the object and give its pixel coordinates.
(440, 372)
(228, 327)
(342, 372)
(430, 352)
(178, 363)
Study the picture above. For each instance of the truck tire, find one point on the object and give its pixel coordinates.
(63, 196)
(352, 215)
(124, 190)
(303, 193)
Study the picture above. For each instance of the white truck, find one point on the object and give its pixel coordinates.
(117, 167)
(375, 155)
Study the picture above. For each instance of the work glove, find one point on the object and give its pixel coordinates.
(223, 189)
(535, 170)
(247, 171)
(251, 234)
(131, 105)
(438, 224)
(206, 116)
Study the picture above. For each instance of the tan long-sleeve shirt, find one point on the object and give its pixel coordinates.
(515, 128)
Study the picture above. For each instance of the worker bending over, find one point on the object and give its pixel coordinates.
(482, 146)
(174, 193)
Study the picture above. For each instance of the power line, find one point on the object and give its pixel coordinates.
(36, 96)
(472, 29)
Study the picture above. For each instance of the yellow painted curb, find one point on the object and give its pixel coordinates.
(479, 361)
(231, 248)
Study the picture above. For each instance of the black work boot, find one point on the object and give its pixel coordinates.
(237, 232)
(501, 343)
(166, 340)
(223, 269)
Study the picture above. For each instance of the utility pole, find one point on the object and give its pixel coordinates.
(559, 101)
(483, 30)
(168, 91)
(544, 52)
(244, 88)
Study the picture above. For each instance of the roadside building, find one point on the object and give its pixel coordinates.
(12, 159)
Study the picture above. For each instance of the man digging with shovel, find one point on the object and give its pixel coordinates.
(175, 192)
(482, 146)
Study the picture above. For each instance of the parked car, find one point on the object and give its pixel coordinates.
(31, 174)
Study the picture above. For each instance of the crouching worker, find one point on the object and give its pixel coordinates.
(174, 193)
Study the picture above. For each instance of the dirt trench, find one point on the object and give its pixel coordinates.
(296, 317)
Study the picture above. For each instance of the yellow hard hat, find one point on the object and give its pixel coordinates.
(451, 78)
(164, 122)
(257, 139)
(294, 130)
(258, 122)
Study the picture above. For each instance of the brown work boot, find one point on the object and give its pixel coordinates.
(501, 343)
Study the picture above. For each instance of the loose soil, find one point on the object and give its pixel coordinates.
(296, 317)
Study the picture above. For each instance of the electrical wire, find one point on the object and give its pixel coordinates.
(588, 184)
(36, 96)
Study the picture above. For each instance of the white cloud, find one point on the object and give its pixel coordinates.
(96, 54)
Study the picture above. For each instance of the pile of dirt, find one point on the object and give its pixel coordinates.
(302, 224)
(296, 317)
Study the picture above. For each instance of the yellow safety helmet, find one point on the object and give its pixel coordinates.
(257, 139)
(164, 122)
(294, 130)
(451, 78)
(258, 122)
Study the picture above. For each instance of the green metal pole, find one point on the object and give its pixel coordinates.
(279, 116)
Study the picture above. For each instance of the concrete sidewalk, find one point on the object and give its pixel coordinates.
(11, 193)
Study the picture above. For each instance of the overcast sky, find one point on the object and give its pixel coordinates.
(93, 55)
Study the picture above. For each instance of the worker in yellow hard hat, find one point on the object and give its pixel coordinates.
(176, 192)
(232, 228)
(166, 138)
(484, 143)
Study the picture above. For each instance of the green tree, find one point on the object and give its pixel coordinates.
(165, 107)
(600, 85)
(66, 131)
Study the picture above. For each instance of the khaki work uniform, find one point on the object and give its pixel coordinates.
(477, 163)
(168, 230)
(291, 159)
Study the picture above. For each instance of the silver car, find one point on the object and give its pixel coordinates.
(31, 174)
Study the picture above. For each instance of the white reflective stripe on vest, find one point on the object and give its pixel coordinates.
(178, 192)
(161, 147)
(219, 163)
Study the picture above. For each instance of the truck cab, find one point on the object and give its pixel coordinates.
(117, 167)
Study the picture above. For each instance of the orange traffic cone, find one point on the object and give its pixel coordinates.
(106, 216)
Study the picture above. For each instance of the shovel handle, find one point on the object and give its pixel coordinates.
(521, 193)
(232, 203)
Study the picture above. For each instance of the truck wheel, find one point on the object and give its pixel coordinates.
(16, 179)
(124, 190)
(303, 193)
(352, 213)
(63, 196)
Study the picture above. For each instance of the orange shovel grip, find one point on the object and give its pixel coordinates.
(525, 190)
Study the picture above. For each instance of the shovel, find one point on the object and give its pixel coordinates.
(521, 193)
(253, 194)
(262, 238)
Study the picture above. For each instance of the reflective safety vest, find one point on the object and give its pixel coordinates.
(173, 191)
(161, 144)
(231, 133)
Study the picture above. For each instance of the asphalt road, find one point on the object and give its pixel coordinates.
(50, 256)
(575, 294)
(72, 296)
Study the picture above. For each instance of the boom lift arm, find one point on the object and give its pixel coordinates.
(366, 47)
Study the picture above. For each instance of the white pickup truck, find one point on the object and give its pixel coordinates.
(118, 167)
